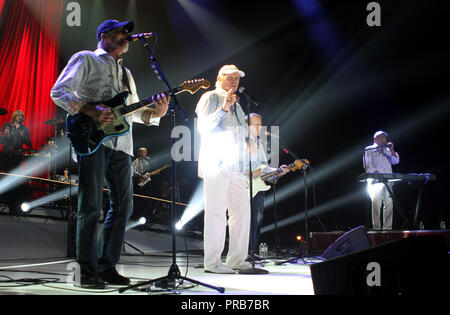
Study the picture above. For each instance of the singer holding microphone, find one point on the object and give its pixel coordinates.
(379, 158)
(88, 78)
(221, 124)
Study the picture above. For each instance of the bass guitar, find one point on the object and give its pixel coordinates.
(87, 135)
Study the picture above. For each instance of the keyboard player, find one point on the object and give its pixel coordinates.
(379, 158)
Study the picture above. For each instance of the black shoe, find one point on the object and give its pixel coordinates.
(111, 276)
(89, 279)
(257, 258)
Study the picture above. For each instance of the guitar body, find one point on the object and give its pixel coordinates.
(258, 185)
(87, 135)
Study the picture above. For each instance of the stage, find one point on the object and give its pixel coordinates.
(35, 248)
(290, 279)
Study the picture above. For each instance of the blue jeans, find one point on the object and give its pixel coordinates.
(257, 217)
(114, 167)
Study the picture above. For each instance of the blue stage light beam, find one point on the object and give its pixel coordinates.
(196, 206)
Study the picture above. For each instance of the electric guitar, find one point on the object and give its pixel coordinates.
(141, 182)
(87, 135)
(258, 183)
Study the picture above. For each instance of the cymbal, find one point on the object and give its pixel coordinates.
(54, 121)
(3, 111)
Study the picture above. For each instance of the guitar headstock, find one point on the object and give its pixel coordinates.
(298, 164)
(194, 85)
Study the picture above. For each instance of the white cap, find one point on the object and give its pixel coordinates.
(380, 132)
(228, 69)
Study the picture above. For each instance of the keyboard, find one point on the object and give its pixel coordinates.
(410, 177)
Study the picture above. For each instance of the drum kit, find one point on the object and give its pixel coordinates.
(48, 151)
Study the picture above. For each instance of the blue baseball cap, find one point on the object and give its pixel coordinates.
(112, 24)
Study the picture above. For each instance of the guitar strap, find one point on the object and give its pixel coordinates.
(125, 82)
(125, 79)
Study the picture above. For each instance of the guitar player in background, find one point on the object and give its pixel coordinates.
(379, 158)
(260, 166)
(141, 184)
(91, 77)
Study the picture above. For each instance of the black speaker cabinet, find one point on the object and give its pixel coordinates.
(415, 265)
(351, 241)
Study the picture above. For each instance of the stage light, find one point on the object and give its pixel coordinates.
(25, 207)
(179, 225)
(299, 238)
(59, 195)
(34, 166)
(133, 224)
(196, 205)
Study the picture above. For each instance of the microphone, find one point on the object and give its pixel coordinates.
(134, 37)
(249, 98)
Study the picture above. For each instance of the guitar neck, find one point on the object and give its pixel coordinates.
(157, 171)
(127, 110)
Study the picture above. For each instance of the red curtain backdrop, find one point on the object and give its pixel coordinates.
(29, 54)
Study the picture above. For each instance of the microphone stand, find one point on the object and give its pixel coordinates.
(174, 273)
(305, 181)
(252, 270)
(275, 217)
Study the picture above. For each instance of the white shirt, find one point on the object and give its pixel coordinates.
(94, 76)
(379, 159)
(222, 134)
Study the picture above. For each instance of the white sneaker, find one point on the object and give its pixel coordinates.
(219, 269)
(244, 265)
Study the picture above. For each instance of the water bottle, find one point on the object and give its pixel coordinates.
(421, 226)
(442, 225)
(261, 250)
(266, 250)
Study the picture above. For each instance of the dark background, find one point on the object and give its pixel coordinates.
(320, 73)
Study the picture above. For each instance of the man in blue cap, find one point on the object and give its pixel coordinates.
(90, 77)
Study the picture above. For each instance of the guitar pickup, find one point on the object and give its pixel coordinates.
(119, 127)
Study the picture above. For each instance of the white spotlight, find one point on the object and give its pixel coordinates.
(25, 207)
(179, 225)
(142, 220)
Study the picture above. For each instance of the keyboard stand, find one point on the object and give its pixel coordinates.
(398, 208)
(418, 203)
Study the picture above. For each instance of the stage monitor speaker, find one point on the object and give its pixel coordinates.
(415, 265)
(351, 241)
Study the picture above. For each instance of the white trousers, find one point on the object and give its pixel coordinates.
(226, 190)
(380, 198)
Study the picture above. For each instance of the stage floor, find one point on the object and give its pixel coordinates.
(286, 279)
